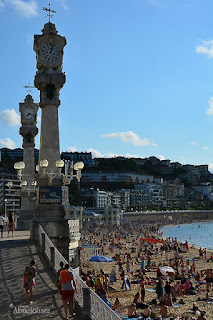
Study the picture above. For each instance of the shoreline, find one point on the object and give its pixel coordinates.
(196, 245)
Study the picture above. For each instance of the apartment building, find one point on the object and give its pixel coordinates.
(9, 195)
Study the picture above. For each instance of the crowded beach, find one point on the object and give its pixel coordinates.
(149, 276)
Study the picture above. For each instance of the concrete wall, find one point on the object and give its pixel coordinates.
(183, 215)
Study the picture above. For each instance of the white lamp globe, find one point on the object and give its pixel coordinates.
(78, 165)
(59, 164)
(44, 163)
(9, 184)
(19, 165)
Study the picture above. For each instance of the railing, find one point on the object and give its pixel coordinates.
(48, 247)
(99, 310)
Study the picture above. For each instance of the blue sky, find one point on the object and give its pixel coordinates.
(139, 75)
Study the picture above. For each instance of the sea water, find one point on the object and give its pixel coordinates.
(200, 234)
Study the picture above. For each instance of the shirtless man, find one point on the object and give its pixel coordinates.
(201, 317)
(146, 312)
(132, 311)
(164, 311)
(209, 278)
(142, 287)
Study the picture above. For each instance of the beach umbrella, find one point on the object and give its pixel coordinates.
(167, 269)
(152, 240)
(100, 260)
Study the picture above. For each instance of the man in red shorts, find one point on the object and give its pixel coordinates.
(68, 288)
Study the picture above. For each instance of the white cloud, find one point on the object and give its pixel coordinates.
(210, 165)
(206, 48)
(72, 149)
(161, 157)
(114, 155)
(209, 112)
(27, 9)
(95, 153)
(131, 137)
(64, 4)
(2, 6)
(193, 142)
(98, 154)
(7, 143)
(205, 148)
(10, 117)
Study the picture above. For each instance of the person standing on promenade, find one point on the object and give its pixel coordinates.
(29, 280)
(2, 222)
(68, 288)
(11, 224)
(58, 275)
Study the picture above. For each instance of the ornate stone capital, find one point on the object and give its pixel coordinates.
(49, 84)
(27, 130)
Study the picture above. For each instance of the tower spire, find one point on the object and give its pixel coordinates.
(49, 12)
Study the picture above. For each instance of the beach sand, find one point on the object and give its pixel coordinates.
(126, 297)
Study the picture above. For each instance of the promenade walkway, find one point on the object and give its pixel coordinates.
(15, 254)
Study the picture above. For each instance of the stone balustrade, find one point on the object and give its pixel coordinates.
(90, 305)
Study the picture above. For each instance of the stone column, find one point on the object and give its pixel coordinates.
(49, 80)
(28, 131)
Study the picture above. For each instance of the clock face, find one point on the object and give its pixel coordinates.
(29, 114)
(50, 52)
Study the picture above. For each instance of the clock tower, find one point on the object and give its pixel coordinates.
(28, 131)
(49, 80)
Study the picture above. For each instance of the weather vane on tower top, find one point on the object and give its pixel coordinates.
(49, 12)
(28, 87)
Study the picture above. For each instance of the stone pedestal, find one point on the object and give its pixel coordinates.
(51, 218)
(27, 209)
(24, 220)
